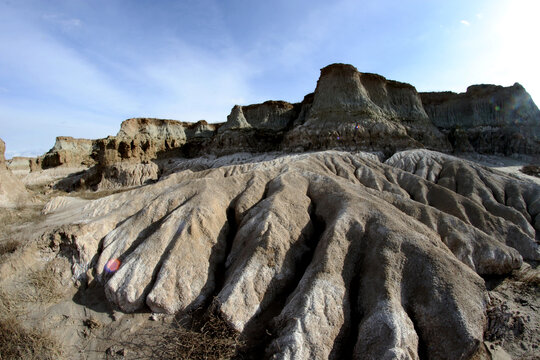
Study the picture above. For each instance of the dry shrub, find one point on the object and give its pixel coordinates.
(46, 284)
(38, 286)
(532, 170)
(17, 342)
(12, 219)
(213, 339)
(8, 247)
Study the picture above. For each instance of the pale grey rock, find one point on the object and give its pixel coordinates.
(20, 165)
(13, 193)
(68, 151)
(481, 105)
(515, 201)
(235, 120)
(152, 128)
(349, 110)
(335, 253)
(125, 175)
(487, 119)
(272, 115)
(363, 111)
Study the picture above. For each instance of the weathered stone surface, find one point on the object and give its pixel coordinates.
(348, 110)
(270, 115)
(69, 151)
(22, 165)
(235, 120)
(487, 118)
(364, 111)
(334, 254)
(481, 105)
(12, 191)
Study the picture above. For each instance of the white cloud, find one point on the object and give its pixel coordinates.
(465, 22)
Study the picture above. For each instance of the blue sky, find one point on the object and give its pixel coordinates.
(78, 68)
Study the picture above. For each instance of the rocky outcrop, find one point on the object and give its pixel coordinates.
(144, 139)
(12, 191)
(322, 255)
(487, 119)
(22, 165)
(348, 110)
(365, 111)
(68, 151)
(270, 115)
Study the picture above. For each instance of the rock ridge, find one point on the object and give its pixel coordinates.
(348, 110)
(487, 118)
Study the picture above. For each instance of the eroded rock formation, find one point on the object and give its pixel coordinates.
(321, 255)
(22, 165)
(12, 191)
(487, 118)
(364, 111)
(69, 151)
(348, 110)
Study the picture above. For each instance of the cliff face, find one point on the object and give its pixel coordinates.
(12, 191)
(144, 139)
(22, 165)
(270, 115)
(487, 118)
(69, 151)
(348, 110)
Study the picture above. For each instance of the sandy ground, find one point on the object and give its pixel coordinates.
(510, 164)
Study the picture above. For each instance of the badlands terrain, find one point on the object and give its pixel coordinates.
(369, 221)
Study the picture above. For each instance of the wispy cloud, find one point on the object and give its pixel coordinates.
(64, 21)
(465, 22)
(87, 91)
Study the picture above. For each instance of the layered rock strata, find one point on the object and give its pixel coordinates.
(69, 151)
(348, 110)
(364, 111)
(22, 165)
(487, 119)
(323, 255)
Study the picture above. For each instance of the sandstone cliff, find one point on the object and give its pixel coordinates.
(69, 151)
(487, 119)
(364, 111)
(22, 165)
(272, 115)
(12, 191)
(348, 110)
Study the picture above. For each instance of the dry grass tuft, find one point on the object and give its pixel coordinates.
(17, 342)
(8, 247)
(532, 170)
(46, 284)
(213, 339)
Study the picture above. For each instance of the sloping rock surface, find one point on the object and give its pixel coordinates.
(314, 256)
